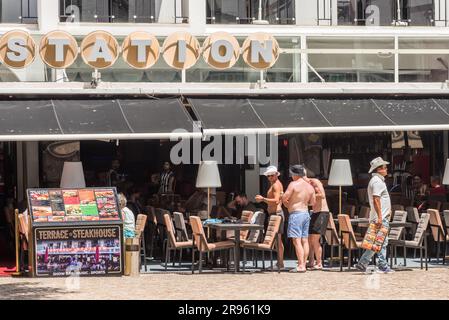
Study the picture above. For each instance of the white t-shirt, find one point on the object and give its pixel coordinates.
(377, 187)
(129, 222)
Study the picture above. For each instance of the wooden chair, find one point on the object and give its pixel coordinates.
(152, 228)
(364, 212)
(221, 198)
(202, 245)
(348, 239)
(172, 244)
(139, 231)
(332, 238)
(348, 209)
(446, 223)
(397, 233)
(419, 241)
(438, 232)
(180, 226)
(268, 244)
(160, 227)
(362, 196)
(445, 206)
(394, 208)
(433, 204)
(256, 235)
(245, 218)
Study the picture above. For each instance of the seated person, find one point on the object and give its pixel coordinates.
(196, 202)
(419, 193)
(437, 192)
(129, 223)
(234, 208)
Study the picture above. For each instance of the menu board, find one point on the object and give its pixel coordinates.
(68, 205)
(67, 250)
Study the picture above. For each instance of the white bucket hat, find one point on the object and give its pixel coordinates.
(271, 170)
(377, 162)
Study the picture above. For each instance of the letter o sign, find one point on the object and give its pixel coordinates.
(221, 50)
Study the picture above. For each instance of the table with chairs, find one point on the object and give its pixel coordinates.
(178, 234)
(174, 234)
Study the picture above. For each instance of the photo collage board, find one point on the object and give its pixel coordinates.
(68, 205)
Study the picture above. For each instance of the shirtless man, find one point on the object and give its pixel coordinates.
(318, 224)
(299, 195)
(273, 200)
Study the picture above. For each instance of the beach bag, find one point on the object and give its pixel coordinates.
(375, 237)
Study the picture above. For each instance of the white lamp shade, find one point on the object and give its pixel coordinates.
(446, 173)
(73, 175)
(340, 174)
(208, 175)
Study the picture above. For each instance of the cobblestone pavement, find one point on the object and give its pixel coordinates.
(407, 284)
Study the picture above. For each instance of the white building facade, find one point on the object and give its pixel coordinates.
(328, 47)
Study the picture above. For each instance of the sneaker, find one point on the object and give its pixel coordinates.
(360, 267)
(385, 270)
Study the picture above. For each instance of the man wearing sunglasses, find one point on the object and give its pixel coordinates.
(273, 201)
(380, 203)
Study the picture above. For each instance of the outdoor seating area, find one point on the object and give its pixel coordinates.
(189, 243)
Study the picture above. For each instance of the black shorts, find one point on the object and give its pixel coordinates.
(318, 223)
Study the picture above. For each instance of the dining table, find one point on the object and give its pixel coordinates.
(236, 227)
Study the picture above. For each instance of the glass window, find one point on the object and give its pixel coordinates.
(352, 67)
(240, 72)
(349, 43)
(120, 11)
(423, 43)
(423, 67)
(383, 12)
(246, 11)
(18, 11)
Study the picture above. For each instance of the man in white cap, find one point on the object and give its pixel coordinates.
(379, 200)
(273, 201)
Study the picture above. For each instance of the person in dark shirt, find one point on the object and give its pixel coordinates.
(238, 205)
(437, 192)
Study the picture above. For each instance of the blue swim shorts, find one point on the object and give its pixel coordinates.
(298, 224)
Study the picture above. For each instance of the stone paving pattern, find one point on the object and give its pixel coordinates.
(330, 284)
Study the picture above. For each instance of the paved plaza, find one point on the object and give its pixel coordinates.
(329, 284)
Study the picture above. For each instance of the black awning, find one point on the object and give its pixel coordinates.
(156, 115)
(226, 113)
(93, 119)
(23, 117)
(321, 115)
(90, 116)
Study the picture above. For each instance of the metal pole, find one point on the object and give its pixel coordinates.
(339, 210)
(17, 237)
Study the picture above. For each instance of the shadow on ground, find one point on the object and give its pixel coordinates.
(28, 291)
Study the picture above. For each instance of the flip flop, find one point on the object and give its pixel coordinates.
(297, 270)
